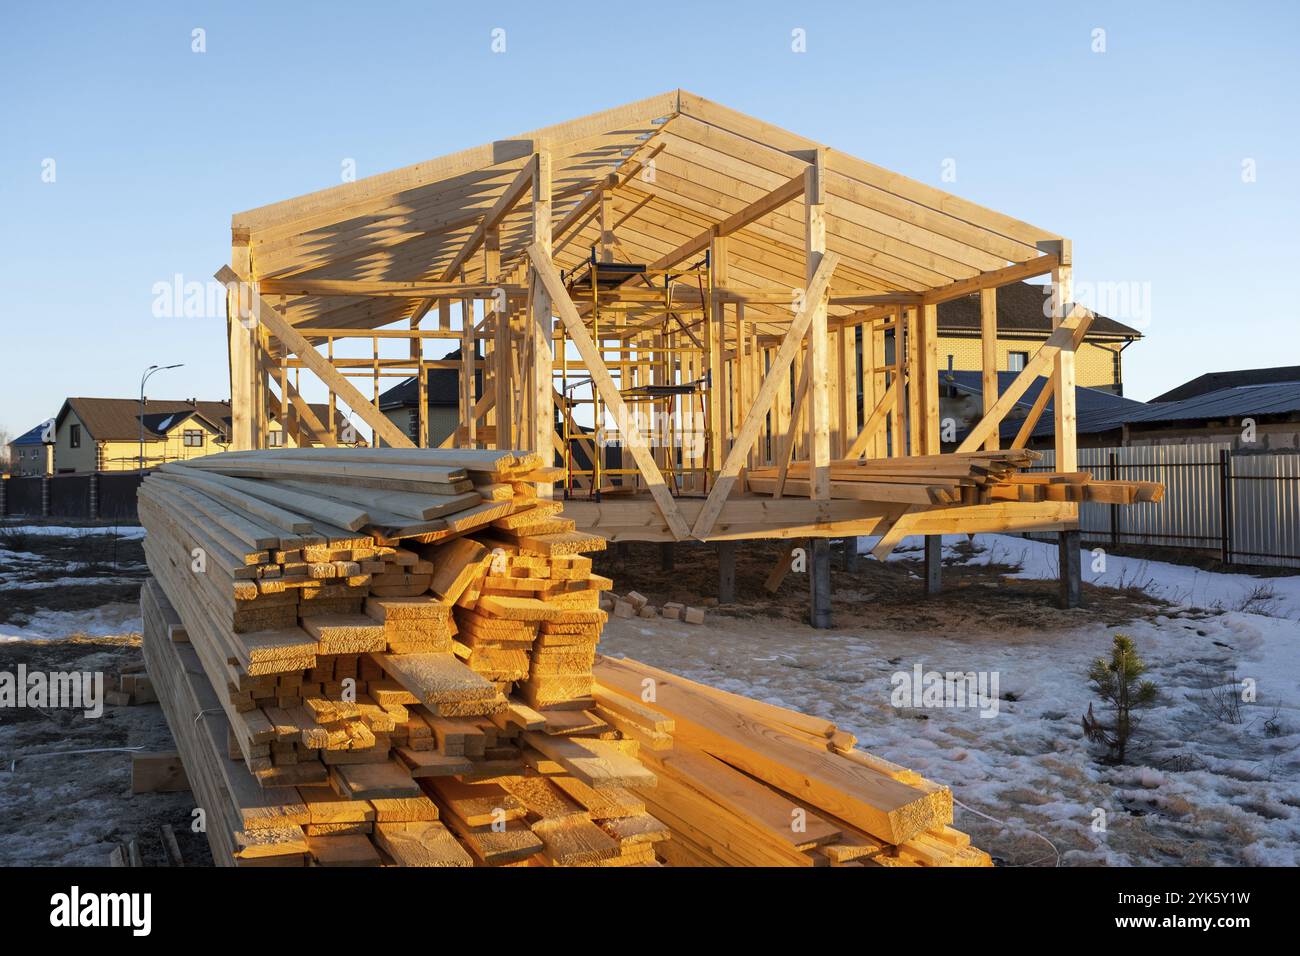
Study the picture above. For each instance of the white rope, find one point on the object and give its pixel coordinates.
(1003, 823)
(63, 753)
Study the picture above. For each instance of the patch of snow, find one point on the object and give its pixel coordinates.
(110, 620)
(64, 531)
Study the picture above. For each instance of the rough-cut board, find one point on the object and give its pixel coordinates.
(882, 807)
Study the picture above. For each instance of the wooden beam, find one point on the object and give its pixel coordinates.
(550, 280)
(989, 355)
(295, 343)
(756, 413)
(819, 400)
(878, 415)
(541, 404)
(1016, 272)
(1077, 319)
(757, 209)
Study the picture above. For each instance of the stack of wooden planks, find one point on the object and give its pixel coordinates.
(965, 478)
(745, 783)
(354, 680)
(377, 657)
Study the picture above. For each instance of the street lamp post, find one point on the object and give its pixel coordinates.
(144, 378)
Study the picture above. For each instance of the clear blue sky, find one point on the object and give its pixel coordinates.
(1136, 153)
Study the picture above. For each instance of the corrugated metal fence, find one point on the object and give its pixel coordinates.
(1245, 507)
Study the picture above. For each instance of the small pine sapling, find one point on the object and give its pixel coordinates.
(1118, 682)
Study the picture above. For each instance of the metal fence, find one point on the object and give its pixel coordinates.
(97, 496)
(1245, 508)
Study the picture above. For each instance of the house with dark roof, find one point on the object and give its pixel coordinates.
(1024, 323)
(32, 452)
(1215, 381)
(401, 403)
(121, 434)
(1254, 418)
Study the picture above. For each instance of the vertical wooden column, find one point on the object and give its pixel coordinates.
(1070, 566)
(819, 405)
(915, 420)
(606, 226)
(467, 370)
(1067, 453)
(849, 379)
(818, 397)
(242, 350)
(928, 322)
(989, 356)
(933, 564)
(717, 374)
(498, 415)
(541, 386)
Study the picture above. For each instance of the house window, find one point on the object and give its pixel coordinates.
(275, 438)
(74, 436)
(193, 438)
(1016, 361)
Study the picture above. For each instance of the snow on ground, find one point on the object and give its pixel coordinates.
(63, 531)
(1176, 583)
(108, 620)
(1208, 780)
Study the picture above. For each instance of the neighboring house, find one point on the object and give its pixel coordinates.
(31, 454)
(104, 434)
(344, 432)
(401, 403)
(1254, 418)
(1214, 381)
(1023, 325)
(1099, 411)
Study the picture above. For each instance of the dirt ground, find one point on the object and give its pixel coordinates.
(72, 809)
(975, 599)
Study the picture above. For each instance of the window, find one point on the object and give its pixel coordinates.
(275, 438)
(74, 436)
(1016, 361)
(193, 438)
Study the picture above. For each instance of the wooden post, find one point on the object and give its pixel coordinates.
(1067, 454)
(717, 374)
(989, 355)
(1071, 568)
(933, 564)
(541, 406)
(819, 403)
(928, 322)
(241, 337)
(726, 572)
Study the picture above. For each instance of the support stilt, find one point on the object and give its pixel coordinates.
(933, 564)
(819, 583)
(666, 556)
(851, 555)
(1071, 569)
(726, 572)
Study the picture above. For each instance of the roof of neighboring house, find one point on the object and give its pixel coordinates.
(1243, 401)
(443, 388)
(1097, 409)
(1020, 309)
(31, 437)
(1214, 381)
(118, 419)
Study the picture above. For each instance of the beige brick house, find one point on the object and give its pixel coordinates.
(104, 434)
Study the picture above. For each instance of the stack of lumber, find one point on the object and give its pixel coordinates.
(965, 478)
(745, 783)
(377, 657)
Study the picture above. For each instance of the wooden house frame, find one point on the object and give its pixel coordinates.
(777, 299)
